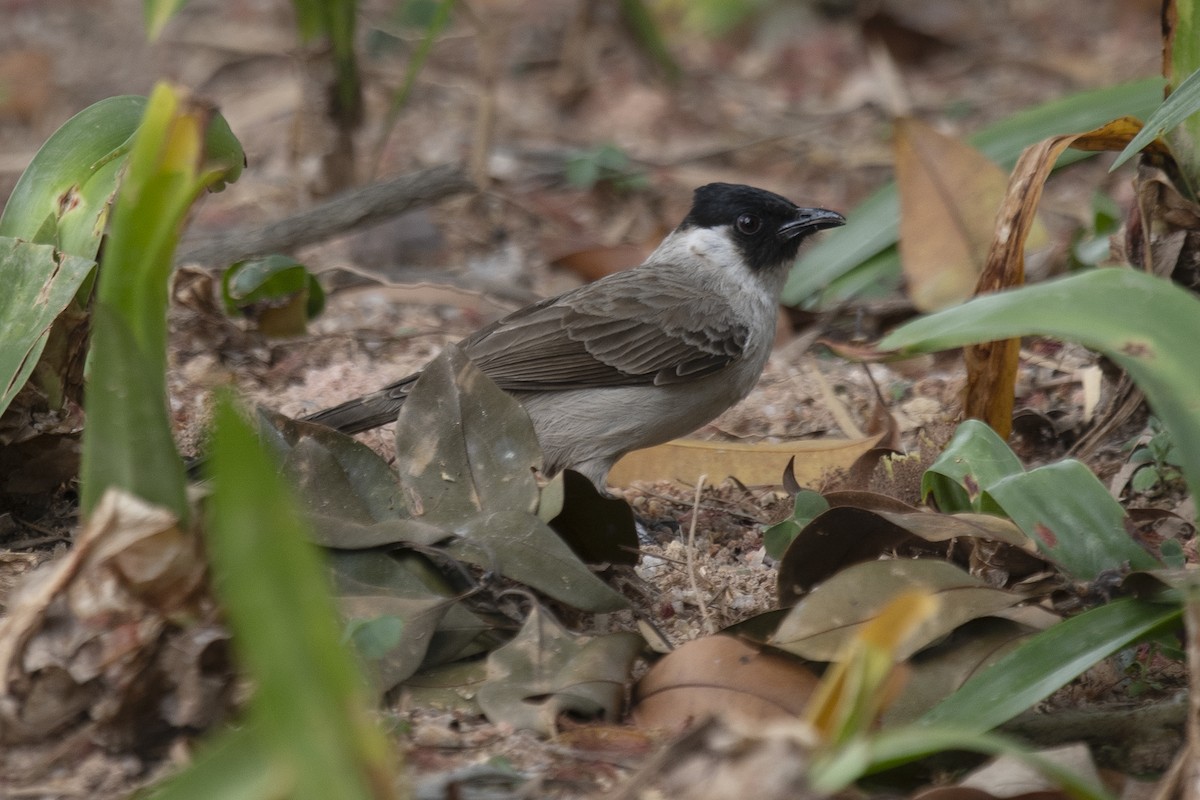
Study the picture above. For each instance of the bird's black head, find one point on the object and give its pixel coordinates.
(768, 229)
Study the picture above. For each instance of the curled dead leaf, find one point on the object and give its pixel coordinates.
(123, 621)
(725, 676)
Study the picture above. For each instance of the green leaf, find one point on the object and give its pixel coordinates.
(235, 766)
(276, 291)
(1145, 324)
(64, 196)
(834, 772)
(85, 152)
(807, 506)
(374, 637)
(873, 226)
(1179, 105)
(38, 285)
(1048, 661)
(157, 13)
(310, 705)
(973, 460)
(1072, 517)
(127, 442)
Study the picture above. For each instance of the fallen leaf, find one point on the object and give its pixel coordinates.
(760, 464)
(819, 626)
(949, 193)
(122, 623)
(847, 535)
(547, 670)
(725, 676)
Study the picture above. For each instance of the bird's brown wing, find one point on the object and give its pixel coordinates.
(640, 329)
(647, 328)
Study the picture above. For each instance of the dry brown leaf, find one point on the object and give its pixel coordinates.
(949, 193)
(721, 675)
(759, 464)
(992, 366)
(94, 636)
(720, 759)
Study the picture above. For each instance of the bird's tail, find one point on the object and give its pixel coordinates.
(361, 413)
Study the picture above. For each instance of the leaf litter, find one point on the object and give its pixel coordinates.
(729, 565)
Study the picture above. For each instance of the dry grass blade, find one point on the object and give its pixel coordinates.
(992, 366)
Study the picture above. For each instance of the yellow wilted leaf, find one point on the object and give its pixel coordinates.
(862, 682)
(759, 464)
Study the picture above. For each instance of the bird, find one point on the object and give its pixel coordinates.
(645, 355)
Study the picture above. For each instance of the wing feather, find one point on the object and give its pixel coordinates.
(645, 326)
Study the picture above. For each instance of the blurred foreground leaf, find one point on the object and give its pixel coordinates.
(127, 442)
(310, 710)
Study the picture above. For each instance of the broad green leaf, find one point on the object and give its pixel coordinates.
(236, 766)
(975, 458)
(38, 285)
(1179, 105)
(1048, 661)
(1073, 518)
(65, 194)
(127, 442)
(310, 704)
(85, 151)
(808, 504)
(1145, 324)
(873, 226)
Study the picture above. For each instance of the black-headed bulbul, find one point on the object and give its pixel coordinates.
(643, 356)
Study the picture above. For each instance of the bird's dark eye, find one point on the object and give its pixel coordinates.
(749, 224)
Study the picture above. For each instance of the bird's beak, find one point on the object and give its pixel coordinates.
(810, 220)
